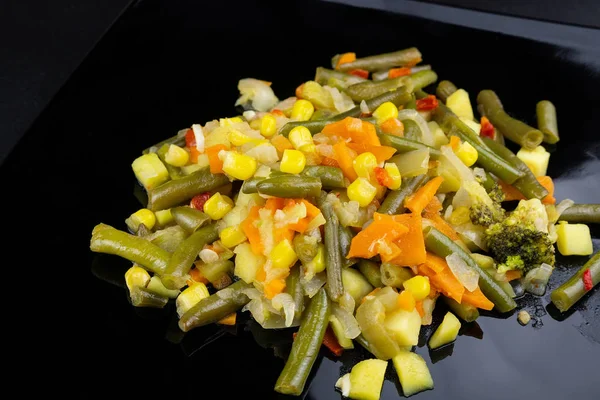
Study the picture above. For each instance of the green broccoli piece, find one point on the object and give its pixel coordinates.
(483, 210)
(521, 241)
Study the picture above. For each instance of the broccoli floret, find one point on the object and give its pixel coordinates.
(521, 241)
(484, 214)
(482, 210)
(496, 193)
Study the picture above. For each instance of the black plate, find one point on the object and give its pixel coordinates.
(164, 67)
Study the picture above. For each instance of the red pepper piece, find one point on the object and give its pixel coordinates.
(428, 103)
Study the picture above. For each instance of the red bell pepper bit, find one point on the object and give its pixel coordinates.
(190, 138)
(428, 103)
(587, 280)
(363, 73)
(487, 129)
(199, 200)
(382, 176)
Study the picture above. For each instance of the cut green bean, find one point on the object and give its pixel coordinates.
(345, 240)
(330, 177)
(444, 90)
(404, 145)
(517, 131)
(174, 172)
(142, 297)
(313, 126)
(293, 287)
(394, 201)
(249, 185)
(106, 239)
(371, 271)
(466, 312)
(394, 275)
(582, 213)
(422, 79)
(528, 184)
(215, 270)
(173, 193)
(369, 89)
(402, 58)
(290, 186)
(398, 97)
(176, 273)
(442, 246)
(546, 121)
(333, 256)
(189, 218)
(215, 307)
(487, 159)
(306, 346)
(305, 247)
(324, 76)
(570, 292)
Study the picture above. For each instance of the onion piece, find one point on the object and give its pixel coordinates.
(199, 136)
(536, 280)
(426, 135)
(364, 108)
(468, 277)
(312, 286)
(286, 302)
(349, 324)
(258, 92)
(346, 302)
(474, 233)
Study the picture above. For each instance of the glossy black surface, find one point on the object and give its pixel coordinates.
(164, 67)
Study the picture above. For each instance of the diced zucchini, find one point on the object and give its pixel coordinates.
(163, 217)
(155, 285)
(412, 163)
(460, 104)
(235, 217)
(404, 326)
(413, 373)
(388, 296)
(366, 379)
(439, 137)
(446, 332)
(574, 239)
(355, 284)
(249, 199)
(247, 263)
(150, 171)
(338, 331)
(190, 297)
(536, 159)
(471, 124)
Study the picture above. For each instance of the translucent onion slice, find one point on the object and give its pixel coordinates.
(468, 277)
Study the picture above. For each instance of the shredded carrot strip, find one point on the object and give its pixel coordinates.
(228, 320)
(511, 193)
(345, 58)
(412, 244)
(396, 72)
(381, 153)
(454, 142)
(345, 159)
(513, 274)
(197, 276)
(377, 238)
(216, 165)
(274, 287)
(329, 162)
(419, 307)
(281, 143)
(477, 299)
(359, 131)
(363, 73)
(406, 301)
(252, 232)
(419, 200)
(393, 126)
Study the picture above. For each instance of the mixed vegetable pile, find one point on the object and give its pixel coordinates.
(350, 211)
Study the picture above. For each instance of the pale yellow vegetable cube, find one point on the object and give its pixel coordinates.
(471, 124)
(246, 262)
(163, 217)
(446, 332)
(338, 331)
(412, 372)
(536, 159)
(355, 284)
(366, 379)
(460, 104)
(574, 239)
(150, 171)
(404, 326)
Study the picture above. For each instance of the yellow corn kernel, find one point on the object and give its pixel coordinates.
(293, 161)
(308, 149)
(394, 174)
(574, 239)
(385, 111)
(136, 276)
(283, 255)
(226, 122)
(364, 164)
(176, 156)
(255, 123)
(460, 215)
(300, 136)
(536, 159)
(237, 138)
(190, 297)
(467, 154)
(302, 110)
(141, 216)
(232, 236)
(217, 206)
(163, 217)
(418, 286)
(362, 191)
(268, 125)
(149, 170)
(239, 166)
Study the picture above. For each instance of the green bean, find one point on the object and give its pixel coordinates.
(546, 121)
(249, 185)
(322, 114)
(173, 193)
(313, 126)
(215, 307)
(412, 130)
(142, 297)
(401, 58)
(369, 89)
(106, 239)
(422, 79)
(399, 97)
(487, 159)
(176, 273)
(466, 312)
(178, 140)
(168, 238)
(582, 213)
(331, 177)
(290, 186)
(215, 270)
(324, 76)
(345, 240)
(404, 145)
(174, 172)
(411, 104)
(570, 292)
(444, 90)
(306, 346)
(293, 287)
(394, 201)
(442, 246)
(394, 275)
(371, 271)
(527, 184)
(333, 256)
(189, 218)
(519, 132)
(305, 247)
